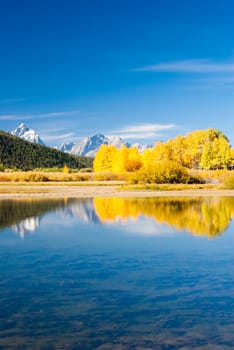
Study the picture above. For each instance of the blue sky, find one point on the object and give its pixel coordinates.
(144, 69)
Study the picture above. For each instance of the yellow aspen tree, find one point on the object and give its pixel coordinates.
(65, 169)
(159, 152)
(222, 153)
(133, 161)
(119, 163)
(178, 146)
(147, 156)
(104, 158)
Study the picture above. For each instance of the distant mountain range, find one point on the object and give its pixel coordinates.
(87, 147)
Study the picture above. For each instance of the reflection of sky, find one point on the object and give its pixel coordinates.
(75, 280)
(119, 214)
(143, 226)
(84, 212)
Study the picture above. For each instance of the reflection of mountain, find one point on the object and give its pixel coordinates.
(27, 225)
(23, 214)
(198, 216)
(82, 209)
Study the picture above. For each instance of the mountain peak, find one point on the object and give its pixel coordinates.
(25, 133)
(22, 125)
(89, 146)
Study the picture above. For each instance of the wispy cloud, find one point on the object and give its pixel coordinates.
(22, 117)
(63, 137)
(14, 100)
(189, 66)
(219, 80)
(143, 131)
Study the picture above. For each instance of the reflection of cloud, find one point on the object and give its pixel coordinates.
(28, 225)
(144, 226)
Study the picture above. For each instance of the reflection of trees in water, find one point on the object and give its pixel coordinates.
(23, 214)
(210, 216)
(200, 216)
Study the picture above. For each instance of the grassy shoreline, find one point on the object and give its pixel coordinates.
(108, 189)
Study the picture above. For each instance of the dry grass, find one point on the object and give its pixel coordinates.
(39, 176)
(171, 187)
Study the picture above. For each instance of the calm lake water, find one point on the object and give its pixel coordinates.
(121, 274)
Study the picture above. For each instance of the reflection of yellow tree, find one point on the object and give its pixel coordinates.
(199, 216)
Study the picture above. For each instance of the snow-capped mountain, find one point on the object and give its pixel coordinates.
(90, 145)
(66, 147)
(141, 148)
(27, 134)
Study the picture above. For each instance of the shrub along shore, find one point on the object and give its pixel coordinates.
(159, 178)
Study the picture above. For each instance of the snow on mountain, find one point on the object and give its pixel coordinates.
(141, 148)
(66, 147)
(89, 146)
(27, 134)
(117, 141)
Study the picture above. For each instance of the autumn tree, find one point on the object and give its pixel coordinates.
(104, 159)
(133, 161)
(216, 151)
(126, 160)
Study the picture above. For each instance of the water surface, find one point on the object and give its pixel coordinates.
(116, 273)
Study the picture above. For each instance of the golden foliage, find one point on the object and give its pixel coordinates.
(65, 169)
(162, 172)
(104, 159)
(117, 161)
(206, 149)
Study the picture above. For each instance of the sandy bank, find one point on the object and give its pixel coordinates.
(58, 191)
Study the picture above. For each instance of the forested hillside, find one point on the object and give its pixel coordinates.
(15, 152)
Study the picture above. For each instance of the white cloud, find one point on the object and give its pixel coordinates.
(146, 128)
(15, 117)
(143, 131)
(14, 100)
(37, 116)
(189, 66)
(66, 136)
(140, 136)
